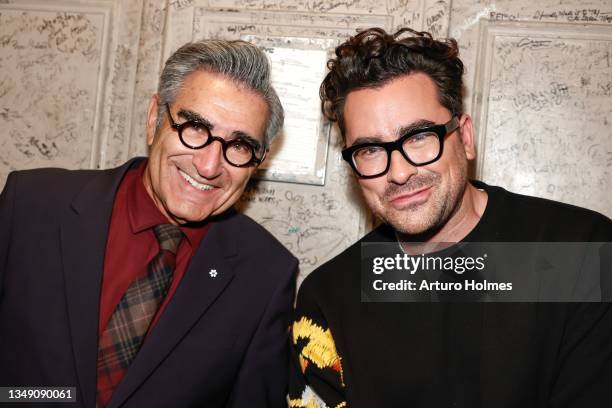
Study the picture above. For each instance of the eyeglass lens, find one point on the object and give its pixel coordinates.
(238, 152)
(420, 148)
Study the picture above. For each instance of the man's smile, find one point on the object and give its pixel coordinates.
(197, 185)
(410, 198)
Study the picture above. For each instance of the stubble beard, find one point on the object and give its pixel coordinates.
(423, 220)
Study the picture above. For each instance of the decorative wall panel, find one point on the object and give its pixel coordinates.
(544, 109)
(52, 70)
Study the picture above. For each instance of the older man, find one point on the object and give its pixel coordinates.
(398, 102)
(140, 286)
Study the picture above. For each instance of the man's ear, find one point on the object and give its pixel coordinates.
(466, 131)
(152, 119)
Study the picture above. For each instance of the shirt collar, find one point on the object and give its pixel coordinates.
(143, 214)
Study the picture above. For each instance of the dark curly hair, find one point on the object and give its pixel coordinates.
(373, 57)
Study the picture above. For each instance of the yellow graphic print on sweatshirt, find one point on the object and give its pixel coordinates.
(320, 348)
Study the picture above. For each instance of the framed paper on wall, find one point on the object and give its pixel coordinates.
(299, 153)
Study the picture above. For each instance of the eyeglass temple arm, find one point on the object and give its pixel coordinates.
(452, 125)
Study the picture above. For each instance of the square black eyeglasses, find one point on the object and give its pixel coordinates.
(238, 152)
(419, 147)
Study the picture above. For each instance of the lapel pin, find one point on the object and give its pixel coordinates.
(213, 273)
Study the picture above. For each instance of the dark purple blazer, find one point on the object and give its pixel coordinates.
(221, 341)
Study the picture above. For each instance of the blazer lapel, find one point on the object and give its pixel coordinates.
(83, 234)
(197, 291)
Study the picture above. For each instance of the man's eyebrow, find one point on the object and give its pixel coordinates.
(238, 134)
(191, 116)
(367, 139)
(401, 131)
(416, 125)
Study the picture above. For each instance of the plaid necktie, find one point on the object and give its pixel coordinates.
(127, 327)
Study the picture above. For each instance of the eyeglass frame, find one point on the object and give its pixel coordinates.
(211, 138)
(440, 130)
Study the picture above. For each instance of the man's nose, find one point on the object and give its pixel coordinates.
(208, 160)
(400, 170)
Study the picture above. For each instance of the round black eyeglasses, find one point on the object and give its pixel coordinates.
(196, 135)
(419, 147)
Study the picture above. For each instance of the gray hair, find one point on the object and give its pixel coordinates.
(239, 60)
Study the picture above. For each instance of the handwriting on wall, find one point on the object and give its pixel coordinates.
(570, 15)
(316, 6)
(48, 72)
(232, 24)
(549, 111)
(312, 222)
(574, 15)
(147, 72)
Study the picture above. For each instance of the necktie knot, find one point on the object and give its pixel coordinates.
(168, 236)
